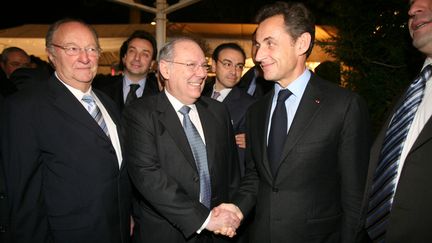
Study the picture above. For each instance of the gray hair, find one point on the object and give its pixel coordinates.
(54, 27)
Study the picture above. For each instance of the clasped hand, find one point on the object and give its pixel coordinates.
(225, 219)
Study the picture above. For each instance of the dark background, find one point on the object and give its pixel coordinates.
(15, 12)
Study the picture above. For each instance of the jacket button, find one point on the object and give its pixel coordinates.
(275, 189)
(195, 178)
(2, 228)
(3, 196)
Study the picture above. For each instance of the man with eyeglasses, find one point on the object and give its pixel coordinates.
(228, 63)
(181, 154)
(61, 150)
(138, 55)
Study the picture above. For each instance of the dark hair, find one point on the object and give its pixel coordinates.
(138, 34)
(5, 54)
(224, 46)
(298, 19)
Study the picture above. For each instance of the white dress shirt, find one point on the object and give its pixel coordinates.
(112, 128)
(423, 113)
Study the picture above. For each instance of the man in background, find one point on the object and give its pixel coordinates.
(138, 54)
(12, 58)
(228, 63)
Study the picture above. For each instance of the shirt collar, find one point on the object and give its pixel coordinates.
(128, 82)
(176, 103)
(298, 86)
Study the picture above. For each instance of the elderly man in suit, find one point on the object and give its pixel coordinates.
(398, 199)
(61, 150)
(307, 141)
(181, 154)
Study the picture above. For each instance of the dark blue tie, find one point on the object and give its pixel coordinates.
(131, 96)
(384, 183)
(200, 155)
(278, 130)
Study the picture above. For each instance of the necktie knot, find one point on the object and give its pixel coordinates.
(134, 87)
(95, 112)
(131, 96)
(185, 110)
(424, 75)
(88, 99)
(283, 95)
(215, 95)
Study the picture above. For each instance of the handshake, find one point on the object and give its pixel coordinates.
(225, 219)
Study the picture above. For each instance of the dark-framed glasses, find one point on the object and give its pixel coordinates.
(230, 65)
(193, 67)
(73, 50)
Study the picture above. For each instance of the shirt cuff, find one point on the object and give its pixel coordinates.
(204, 224)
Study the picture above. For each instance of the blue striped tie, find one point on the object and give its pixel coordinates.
(95, 112)
(384, 184)
(200, 155)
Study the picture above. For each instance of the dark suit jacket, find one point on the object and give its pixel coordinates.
(262, 86)
(113, 87)
(317, 191)
(411, 215)
(162, 167)
(237, 102)
(63, 178)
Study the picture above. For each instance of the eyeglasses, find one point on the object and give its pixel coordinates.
(193, 67)
(229, 65)
(75, 50)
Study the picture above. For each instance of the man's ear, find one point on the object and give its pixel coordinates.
(303, 43)
(50, 56)
(213, 66)
(164, 69)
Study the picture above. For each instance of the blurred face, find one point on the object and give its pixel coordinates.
(15, 60)
(228, 68)
(185, 82)
(281, 58)
(420, 26)
(138, 59)
(75, 69)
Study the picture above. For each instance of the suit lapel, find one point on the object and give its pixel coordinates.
(313, 98)
(208, 125)
(261, 131)
(118, 92)
(68, 104)
(424, 136)
(170, 121)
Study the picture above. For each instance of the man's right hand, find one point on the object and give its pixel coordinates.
(225, 219)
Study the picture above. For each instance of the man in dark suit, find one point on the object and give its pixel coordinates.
(181, 179)
(62, 155)
(138, 55)
(307, 141)
(228, 63)
(402, 212)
